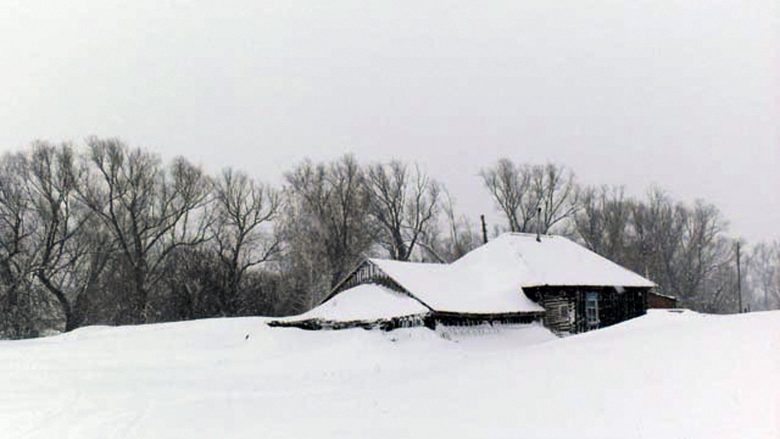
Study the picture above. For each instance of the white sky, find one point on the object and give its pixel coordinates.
(683, 94)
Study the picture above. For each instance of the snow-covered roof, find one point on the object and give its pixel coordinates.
(555, 261)
(365, 302)
(463, 289)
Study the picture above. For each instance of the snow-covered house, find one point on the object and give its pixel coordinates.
(512, 279)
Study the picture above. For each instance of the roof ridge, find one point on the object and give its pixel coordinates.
(529, 234)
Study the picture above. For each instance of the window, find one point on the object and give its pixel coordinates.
(559, 313)
(592, 310)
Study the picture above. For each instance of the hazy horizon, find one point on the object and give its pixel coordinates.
(684, 96)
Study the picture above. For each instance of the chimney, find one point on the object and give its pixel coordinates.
(538, 224)
(484, 229)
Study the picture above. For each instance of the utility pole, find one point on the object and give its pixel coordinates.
(739, 279)
(538, 224)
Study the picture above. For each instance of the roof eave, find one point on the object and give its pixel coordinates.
(539, 285)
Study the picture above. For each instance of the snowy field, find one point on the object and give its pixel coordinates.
(666, 375)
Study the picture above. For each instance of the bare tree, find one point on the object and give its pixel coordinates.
(52, 187)
(17, 254)
(244, 211)
(452, 238)
(704, 250)
(659, 225)
(91, 297)
(764, 274)
(684, 249)
(325, 227)
(603, 221)
(521, 190)
(148, 209)
(404, 203)
(509, 185)
(554, 191)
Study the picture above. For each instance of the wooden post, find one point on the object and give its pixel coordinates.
(739, 279)
(484, 229)
(538, 224)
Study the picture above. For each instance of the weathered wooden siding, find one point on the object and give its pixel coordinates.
(660, 301)
(613, 306)
(463, 319)
(364, 274)
(560, 312)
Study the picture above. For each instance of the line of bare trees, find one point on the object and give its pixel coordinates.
(108, 234)
(683, 247)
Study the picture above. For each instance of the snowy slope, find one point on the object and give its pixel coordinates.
(666, 375)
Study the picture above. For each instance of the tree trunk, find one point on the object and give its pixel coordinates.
(70, 323)
(138, 303)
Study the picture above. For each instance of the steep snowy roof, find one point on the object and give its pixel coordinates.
(463, 289)
(555, 261)
(365, 302)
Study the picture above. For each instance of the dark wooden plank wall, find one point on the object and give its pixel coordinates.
(660, 301)
(559, 310)
(614, 306)
(463, 319)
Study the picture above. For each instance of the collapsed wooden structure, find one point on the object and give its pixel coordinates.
(385, 324)
(516, 278)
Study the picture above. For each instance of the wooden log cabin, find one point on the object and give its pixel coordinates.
(516, 278)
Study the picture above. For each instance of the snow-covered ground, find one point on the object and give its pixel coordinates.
(666, 375)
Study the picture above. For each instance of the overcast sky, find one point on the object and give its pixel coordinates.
(682, 94)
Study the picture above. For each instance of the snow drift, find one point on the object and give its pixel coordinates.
(665, 375)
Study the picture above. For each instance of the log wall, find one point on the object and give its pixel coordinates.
(565, 307)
